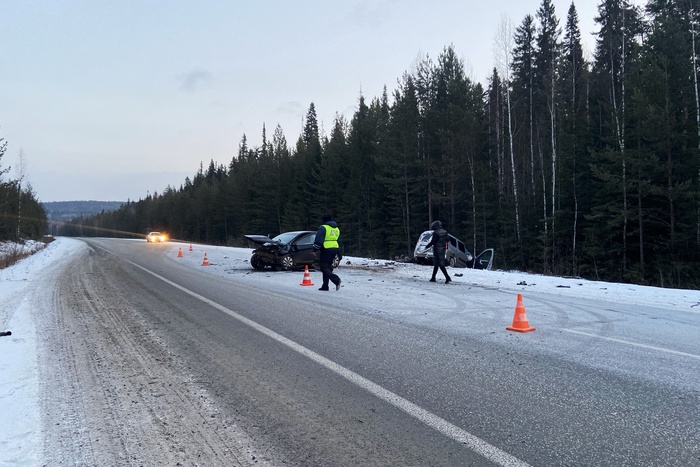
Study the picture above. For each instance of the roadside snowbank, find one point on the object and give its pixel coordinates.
(20, 437)
(20, 441)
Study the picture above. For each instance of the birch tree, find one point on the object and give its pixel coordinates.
(545, 84)
(692, 14)
(620, 26)
(503, 51)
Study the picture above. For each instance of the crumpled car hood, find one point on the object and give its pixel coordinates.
(259, 239)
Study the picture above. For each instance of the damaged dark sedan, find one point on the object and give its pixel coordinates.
(286, 251)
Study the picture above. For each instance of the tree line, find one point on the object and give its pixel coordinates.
(565, 165)
(22, 216)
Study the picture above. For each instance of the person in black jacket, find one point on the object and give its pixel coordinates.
(439, 244)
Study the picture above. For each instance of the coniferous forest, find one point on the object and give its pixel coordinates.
(22, 216)
(564, 164)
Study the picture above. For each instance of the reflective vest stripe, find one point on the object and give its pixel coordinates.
(332, 235)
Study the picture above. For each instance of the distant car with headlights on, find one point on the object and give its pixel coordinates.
(286, 251)
(156, 237)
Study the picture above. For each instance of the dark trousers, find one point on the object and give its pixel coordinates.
(439, 263)
(442, 268)
(326, 266)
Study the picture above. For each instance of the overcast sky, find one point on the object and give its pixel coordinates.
(111, 100)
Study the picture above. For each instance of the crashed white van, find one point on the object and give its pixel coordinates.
(456, 254)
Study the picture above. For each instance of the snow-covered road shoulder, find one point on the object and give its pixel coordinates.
(20, 436)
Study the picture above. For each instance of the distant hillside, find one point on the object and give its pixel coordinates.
(66, 211)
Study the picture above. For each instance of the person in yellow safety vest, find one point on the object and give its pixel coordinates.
(327, 244)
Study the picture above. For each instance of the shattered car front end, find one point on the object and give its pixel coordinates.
(287, 251)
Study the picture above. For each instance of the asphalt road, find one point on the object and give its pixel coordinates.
(168, 365)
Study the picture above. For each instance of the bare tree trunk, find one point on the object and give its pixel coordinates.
(669, 175)
(640, 214)
(497, 132)
(624, 165)
(430, 181)
(532, 142)
(453, 203)
(470, 159)
(553, 115)
(512, 167)
(19, 208)
(697, 120)
(573, 175)
(407, 206)
(501, 149)
(544, 196)
(620, 130)
(504, 39)
(20, 177)
(430, 200)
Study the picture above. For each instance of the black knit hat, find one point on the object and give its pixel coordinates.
(327, 217)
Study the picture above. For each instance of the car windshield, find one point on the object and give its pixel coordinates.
(285, 237)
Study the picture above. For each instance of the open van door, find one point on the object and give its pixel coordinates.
(484, 260)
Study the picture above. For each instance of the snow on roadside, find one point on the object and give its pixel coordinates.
(223, 258)
(20, 431)
(30, 246)
(20, 436)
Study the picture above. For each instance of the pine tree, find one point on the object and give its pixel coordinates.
(573, 142)
(673, 141)
(359, 189)
(400, 169)
(617, 50)
(546, 105)
(523, 87)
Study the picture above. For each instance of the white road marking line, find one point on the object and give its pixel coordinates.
(473, 442)
(635, 344)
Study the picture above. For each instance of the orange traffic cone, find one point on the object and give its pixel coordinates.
(206, 261)
(307, 277)
(520, 323)
(179, 253)
(190, 247)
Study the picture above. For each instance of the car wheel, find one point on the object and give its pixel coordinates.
(287, 262)
(453, 262)
(256, 263)
(336, 261)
